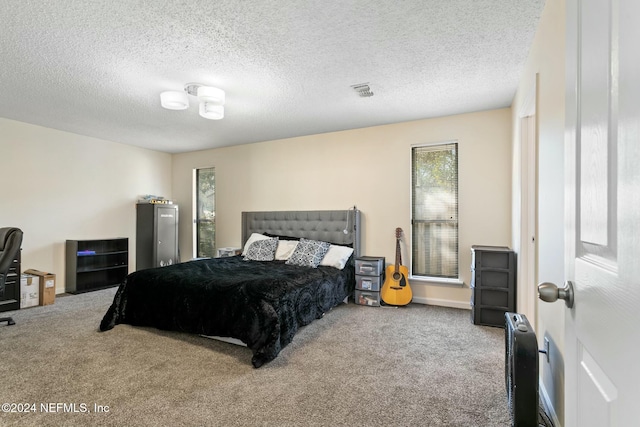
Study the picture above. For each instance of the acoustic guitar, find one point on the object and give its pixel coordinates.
(396, 289)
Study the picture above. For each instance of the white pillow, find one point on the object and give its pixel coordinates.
(254, 237)
(285, 249)
(337, 256)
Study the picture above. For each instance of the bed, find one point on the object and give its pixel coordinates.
(258, 301)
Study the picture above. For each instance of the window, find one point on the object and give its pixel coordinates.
(205, 212)
(434, 211)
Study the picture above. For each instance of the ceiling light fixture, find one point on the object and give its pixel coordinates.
(211, 111)
(211, 95)
(172, 100)
(211, 100)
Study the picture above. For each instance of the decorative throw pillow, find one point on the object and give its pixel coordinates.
(337, 256)
(285, 249)
(262, 250)
(251, 239)
(308, 253)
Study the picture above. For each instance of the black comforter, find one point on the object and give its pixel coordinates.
(261, 303)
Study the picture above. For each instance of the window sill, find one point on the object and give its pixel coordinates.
(437, 281)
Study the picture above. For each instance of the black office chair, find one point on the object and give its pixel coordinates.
(10, 241)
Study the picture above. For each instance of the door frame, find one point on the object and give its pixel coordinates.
(527, 251)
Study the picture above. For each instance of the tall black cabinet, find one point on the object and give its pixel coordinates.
(156, 235)
(493, 284)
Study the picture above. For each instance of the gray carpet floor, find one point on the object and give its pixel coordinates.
(357, 366)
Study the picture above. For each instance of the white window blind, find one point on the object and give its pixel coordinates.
(434, 211)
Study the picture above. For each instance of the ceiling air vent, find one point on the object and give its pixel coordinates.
(363, 90)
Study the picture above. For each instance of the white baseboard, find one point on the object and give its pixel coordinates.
(548, 406)
(442, 302)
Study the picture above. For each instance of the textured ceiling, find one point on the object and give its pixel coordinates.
(97, 67)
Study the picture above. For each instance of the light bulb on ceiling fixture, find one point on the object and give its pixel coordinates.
(173, 100)
(211, 95)
(211, 111)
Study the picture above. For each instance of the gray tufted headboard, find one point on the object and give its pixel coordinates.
(328, 226)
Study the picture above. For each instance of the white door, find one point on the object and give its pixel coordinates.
(602, 330)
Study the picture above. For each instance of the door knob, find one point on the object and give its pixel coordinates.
(549, 292)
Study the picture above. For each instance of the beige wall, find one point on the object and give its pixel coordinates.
(546, 58)
(76, 187)
(369, 168)
(58, 186)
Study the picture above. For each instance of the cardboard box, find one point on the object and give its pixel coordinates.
(47, 286)
(29, 291)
